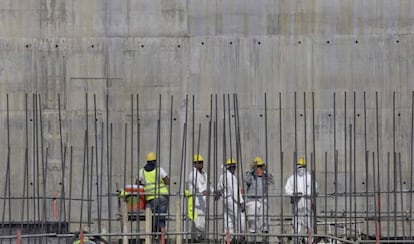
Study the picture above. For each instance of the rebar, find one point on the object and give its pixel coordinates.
(363, 198)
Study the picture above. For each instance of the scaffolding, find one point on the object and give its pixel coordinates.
(64, 169)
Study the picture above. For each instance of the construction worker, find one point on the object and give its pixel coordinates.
(256, 188)
(299, 188)
(155, 181)
(197, 191)
(228, 187)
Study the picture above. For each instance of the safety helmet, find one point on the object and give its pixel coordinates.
(151, 156)
(197, 158)
(301, 162)
(230, 161)
(258, 161)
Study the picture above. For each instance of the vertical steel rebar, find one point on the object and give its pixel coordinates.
(110, 153)
(62, 209)
(411, 163)
(83, 181)
(378, 166)
(295, 178)
(401, 195)
(138, 148)
(70, 184)
(6, 196)
(208, 170)
(313, 166)
(366, 163)
(355, 170)
(265, 213)
(108, 177)
(326, 194)
(216, 169)
(374, 190)
(335, 166)
(98, 176)
(282, 196)
(388, 194)
(346, 168)
(90, 187)
(394, 164)
(35, 172)
(239, 154)
(350, 181)
(131, 161)
(170, 152)
(224, 146)
(237, 225)
(183, 159)
(44, 168)
(25, 165)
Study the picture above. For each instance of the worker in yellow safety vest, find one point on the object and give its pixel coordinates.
(155, 181)
(196, 192)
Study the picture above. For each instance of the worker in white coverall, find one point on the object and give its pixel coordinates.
(228, 187)
(299, 187)
(196, 192)
(257, 180)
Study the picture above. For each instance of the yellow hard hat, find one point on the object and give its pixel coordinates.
(258, 161)
(230, 161)
(197, 158)
(301, 162)
(151, 156)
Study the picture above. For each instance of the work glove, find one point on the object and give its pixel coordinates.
(217, 195)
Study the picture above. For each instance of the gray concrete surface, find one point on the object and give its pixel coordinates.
(112, 50)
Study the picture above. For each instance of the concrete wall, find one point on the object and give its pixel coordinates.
(338, 51)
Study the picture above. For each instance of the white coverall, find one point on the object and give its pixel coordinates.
(234, 219)
(256, 200)
(197, 184)
(302, 206)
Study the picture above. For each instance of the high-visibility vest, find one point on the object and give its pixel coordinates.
(190, 208)
(153, 187)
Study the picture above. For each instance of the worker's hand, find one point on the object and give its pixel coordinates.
(217, 195)
(205, 193)
(242, 207)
